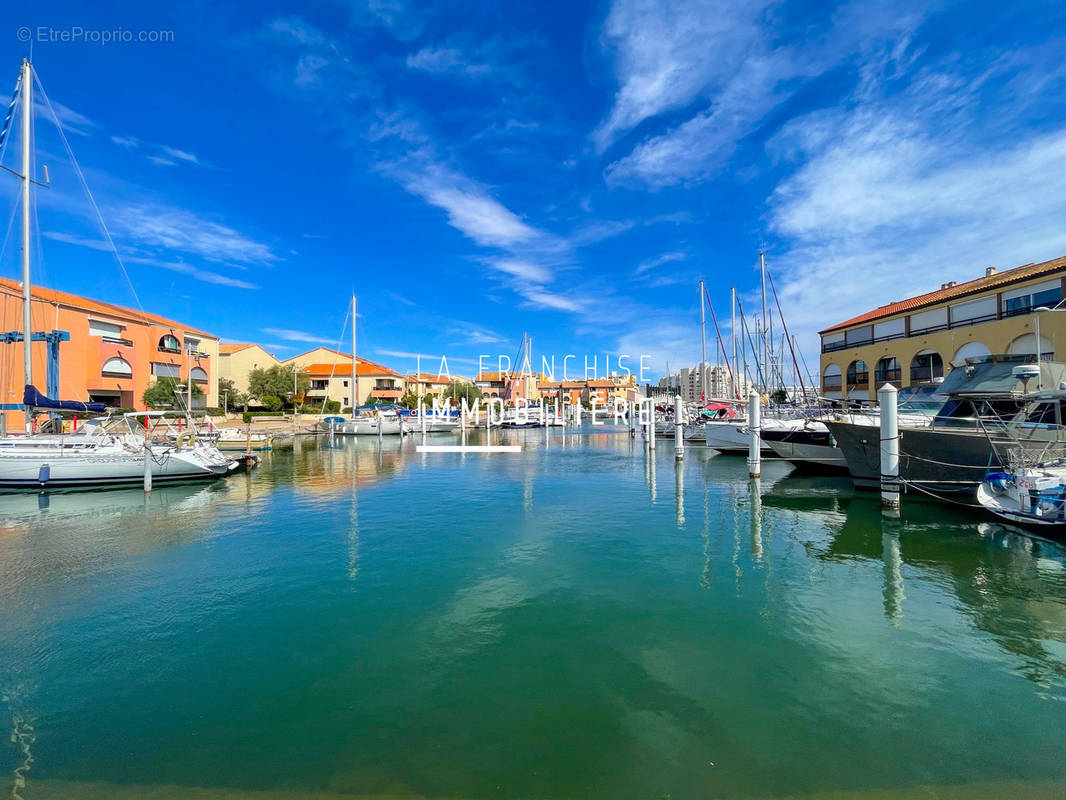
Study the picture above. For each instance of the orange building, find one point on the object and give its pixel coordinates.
(113, 355)
(334, 382)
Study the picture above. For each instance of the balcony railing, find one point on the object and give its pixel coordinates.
(831, 385)
(832, 347)
(889, 375)
(163, 349)
(117, 340)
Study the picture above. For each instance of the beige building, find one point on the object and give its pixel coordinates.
(320, 355)
(236, 362)
(333, 381)
(915, 342)
(428, 385)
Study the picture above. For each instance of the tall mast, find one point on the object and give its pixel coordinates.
(355, 367)
(27, 334)
(703, 347)
(765, 340)
(733, 336)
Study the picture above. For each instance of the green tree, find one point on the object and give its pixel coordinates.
(277, 382)
(165, 393)
(228, 393)
(457, 392)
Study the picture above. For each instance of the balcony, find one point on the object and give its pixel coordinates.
(117, 340)
(832, 347)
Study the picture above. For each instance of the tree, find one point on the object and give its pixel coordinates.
(165, 393)
(277, 382)
(410, 398)
(458, 392)
(230, 395)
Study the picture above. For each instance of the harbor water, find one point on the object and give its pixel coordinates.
(581, 619)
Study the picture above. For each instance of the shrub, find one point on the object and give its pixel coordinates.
(272, 403)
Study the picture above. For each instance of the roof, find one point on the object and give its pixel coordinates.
(977, 286)
(85, 304)
(602, 383)
(315, 350)
(365, 368)
(425, 377)
(386, 393)
(230, 349)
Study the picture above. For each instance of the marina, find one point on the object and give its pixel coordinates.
(592, 615)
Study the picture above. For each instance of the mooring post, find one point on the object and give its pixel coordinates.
(679, 428)
(632, 417)
(890, 486)
(651, 428)
(147, 465)
(422, 416)
(754, 442)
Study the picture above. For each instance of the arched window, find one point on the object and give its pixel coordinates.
(1026, 345)
(169, 344)
(887, 369)
(970, 350)
(858, 373)
(926, 367)
(116, 367)
(198, 375)
(831, 378)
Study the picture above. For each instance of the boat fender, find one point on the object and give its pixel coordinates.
(186, 439)
(44, 473)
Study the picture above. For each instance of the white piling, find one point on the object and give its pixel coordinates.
(679, 428)
(632, 416)
(890, 486)
(651, 427)
(754, 442)
(147, 466)
(422, 416)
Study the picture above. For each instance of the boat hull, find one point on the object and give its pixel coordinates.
(57, 470)
(807, 449)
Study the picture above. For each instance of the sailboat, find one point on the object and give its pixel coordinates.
(95, 455)
(368, 420)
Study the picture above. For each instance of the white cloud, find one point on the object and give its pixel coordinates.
(162, 162)
(669, 54)
(446, 59)
(81, 241)
(658, 261)
(180, 155)
(69, 119)
(179, 230)
(543, 298)
(129, 142)
(290, 335)
(525, 270)
(199, 274)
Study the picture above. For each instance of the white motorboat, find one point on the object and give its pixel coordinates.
(1031, 496)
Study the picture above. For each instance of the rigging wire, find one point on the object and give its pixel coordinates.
(88, 192)
(340, 340)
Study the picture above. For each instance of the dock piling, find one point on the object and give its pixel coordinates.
(754, 442)
(147, 467)
(679, 428)
(890, 485)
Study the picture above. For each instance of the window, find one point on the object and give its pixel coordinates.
(1022, 301)
(859, 336)
(100, 328)
(192, 345)
(887, 370)
(979, 310)
(169, 344)
(926, 367)
(346, 384)
(166, 370)
(116, 368)
(858, 373)
(318, 385)
(198, 374)
(926, 321)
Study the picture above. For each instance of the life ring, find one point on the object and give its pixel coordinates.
(186, 439)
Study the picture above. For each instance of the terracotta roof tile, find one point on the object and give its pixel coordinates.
(85, 304)
(229, 349)
(959, 290)
(345, 368)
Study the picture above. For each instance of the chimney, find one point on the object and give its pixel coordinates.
(990, 271)
(947, 285)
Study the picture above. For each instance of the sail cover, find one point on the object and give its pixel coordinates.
(31, 397)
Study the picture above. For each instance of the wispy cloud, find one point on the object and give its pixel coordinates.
(447, 59)
(161, 161)
(658, 261)
(129, 142)
(179, 230)
(196, 272)
(290, 335)
(69, 119)
(180, 155)
(73, 238)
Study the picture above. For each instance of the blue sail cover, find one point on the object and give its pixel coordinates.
(31, 397)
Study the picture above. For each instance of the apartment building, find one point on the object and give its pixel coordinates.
(916, 341)
(112, 354)
(334, 381)
(236, 362)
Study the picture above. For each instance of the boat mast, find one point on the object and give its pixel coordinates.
(733, 337)
(765, 340)
(355, 368)
(703, 348)
(27, 334)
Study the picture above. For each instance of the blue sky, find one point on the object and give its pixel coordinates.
(479, 170)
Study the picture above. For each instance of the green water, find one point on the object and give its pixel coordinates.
(573, 621)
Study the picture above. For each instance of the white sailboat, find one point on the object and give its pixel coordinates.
(92, 456)
(368, 421)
